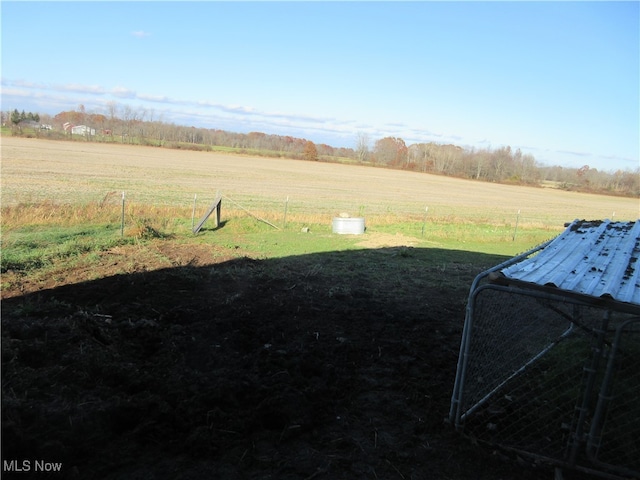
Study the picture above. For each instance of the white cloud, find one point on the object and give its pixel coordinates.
(78, 88)
(577, 154)
(140, 34)
(154, 98)
(196, 109)
(53, 98)
(122, 92)
(22, 83)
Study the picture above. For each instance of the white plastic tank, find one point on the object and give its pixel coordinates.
(348, 225)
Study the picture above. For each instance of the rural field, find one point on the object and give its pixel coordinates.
(266, 347)
(75, 172)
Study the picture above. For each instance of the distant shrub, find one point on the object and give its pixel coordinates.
(190, 146)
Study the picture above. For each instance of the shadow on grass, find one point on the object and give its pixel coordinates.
(332, 365)
(210, 227)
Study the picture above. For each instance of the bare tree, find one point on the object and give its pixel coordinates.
(129, 120)
(362, 147)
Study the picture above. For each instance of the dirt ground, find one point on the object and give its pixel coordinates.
(235, 368)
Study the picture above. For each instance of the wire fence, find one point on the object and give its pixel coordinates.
(376, 210)
(172, 212)
(552, 379)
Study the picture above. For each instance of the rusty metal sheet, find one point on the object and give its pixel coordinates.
(594, 258)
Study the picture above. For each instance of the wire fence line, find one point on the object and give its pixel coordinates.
(477, 214)
(373, 209)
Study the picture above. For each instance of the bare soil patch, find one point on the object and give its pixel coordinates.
(379, 239)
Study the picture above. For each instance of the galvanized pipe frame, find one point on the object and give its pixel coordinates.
(553, 462)
(594, 439)
(546, 293)
(457, 417)
(590, 374)
(466, 331)
(456, 407)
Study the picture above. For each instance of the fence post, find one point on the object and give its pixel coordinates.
(515, 231)
(286, 206)
(122, 218)
(193, 212)
(424, 223)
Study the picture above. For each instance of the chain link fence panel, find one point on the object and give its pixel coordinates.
(551, 378)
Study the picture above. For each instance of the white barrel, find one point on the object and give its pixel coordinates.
(353, 226)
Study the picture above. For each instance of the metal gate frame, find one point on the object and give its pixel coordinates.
(582, 444)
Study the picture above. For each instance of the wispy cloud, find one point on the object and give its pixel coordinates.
(208, 113)
(140, 34)
(623, 159)
(22, 83)
(78, 88)
(576, 158)
(122, 92)
(577, 154)
(211, 114)
(155, 98)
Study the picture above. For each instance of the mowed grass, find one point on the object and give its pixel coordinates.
(62, 203)
(38, 247)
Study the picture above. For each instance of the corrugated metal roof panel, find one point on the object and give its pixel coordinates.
(594, 258)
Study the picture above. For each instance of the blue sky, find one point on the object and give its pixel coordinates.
(557, 80)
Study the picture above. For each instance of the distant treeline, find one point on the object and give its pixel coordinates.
(500, 165)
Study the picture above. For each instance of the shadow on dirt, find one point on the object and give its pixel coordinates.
(335, 365)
